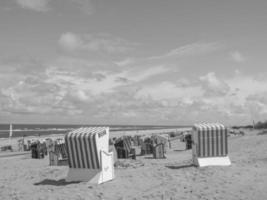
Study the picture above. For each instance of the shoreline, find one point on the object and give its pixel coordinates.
(25, 132)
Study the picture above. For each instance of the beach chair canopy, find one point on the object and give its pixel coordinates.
(210, 139)
(84, 146)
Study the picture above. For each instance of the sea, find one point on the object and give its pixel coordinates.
(20, 130)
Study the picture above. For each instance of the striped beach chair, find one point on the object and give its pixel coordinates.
(50, 145)
(147, 146)
(158, 151)
(38, 150)
(162, 139)
(58, 153)
(89, 156)
(124, 148)
(21, 146)
(210, 146)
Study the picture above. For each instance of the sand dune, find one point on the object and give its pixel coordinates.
(172, 178)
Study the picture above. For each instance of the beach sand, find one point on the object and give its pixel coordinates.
(172, 178)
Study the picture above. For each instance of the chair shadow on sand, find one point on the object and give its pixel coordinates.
(179, 166)
(149, 157)
(61, 182)
(180, 150)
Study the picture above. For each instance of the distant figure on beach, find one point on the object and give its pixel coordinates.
(188, 140)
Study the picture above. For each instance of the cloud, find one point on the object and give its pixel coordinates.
(99, 42)
(70, 41)
(198, 48)
(125, 62)
(237, 57)
(261, 98)
(69, 87)
(85, 6)
(171, 91)
(146, 73)
(246, 85)
(30, 96)
(213, 86)
(134, 92)
(36, 5)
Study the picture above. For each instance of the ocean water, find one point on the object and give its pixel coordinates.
(20, 130)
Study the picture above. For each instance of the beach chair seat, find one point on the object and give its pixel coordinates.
(59, 156)
(188, 141)
(146, 148)
(158, 151)
(132, 153)
(55, 160)
(89, 156)
(6, 148)
(37, 150)
(122, 152)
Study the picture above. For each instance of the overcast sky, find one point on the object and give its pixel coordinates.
(164, 62)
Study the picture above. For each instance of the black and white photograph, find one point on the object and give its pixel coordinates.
(133, 99)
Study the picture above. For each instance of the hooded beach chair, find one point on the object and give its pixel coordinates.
(58, 153)
(158, 151)
(50, 145)
(147, 146)
(21, 146)
(124, 148)
(210, 146)
(162, 139)
(89, 156)
(38, 150)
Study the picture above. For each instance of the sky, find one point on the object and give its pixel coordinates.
(145, 62)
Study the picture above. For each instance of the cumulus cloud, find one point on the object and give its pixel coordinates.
(140, 92)
(36, 5)
(261, 98)
(69, 87)
(30, 96)
(169, 90)
(257, 105)
(237, 57)
(244, 86)
(99, 42)
(214, 86)
(70, 41)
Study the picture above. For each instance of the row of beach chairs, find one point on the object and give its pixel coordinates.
(90, 157)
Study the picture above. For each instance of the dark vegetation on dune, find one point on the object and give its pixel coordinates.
(261, 125)
(263, 132)
(258, 125)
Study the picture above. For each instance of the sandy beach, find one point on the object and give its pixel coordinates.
(144, 178)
